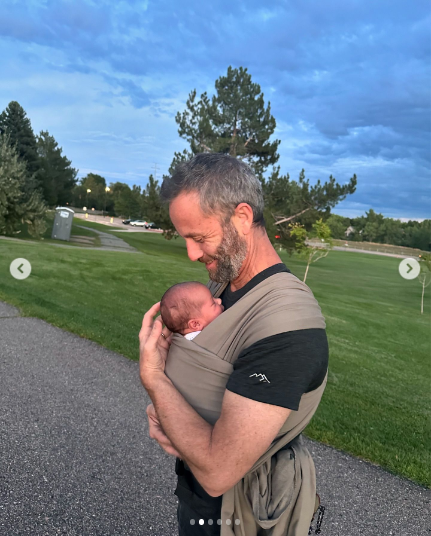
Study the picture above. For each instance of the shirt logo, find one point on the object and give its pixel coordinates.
(263, 378)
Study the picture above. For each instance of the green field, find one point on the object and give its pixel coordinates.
(376, 404)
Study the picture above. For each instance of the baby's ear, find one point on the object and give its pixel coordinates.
(194, 324)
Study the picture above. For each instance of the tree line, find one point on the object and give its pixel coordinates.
(33, 173)
(374, 227)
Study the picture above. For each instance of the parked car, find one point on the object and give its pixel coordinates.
(138, 223)
(152, 225)
(126, 222)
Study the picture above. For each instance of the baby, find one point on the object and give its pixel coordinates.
(187, 308)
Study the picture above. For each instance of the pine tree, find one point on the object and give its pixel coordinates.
(16, 205)
(12, 178)
(56, 175)
(15, 123)
(153, 209)
(288, 201)
(235, 121)
(151, 204)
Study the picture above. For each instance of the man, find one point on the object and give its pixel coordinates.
(216, 205)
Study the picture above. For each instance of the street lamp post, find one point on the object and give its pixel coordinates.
(107, 189)
(88, 191)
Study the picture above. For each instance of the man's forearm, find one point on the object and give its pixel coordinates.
(189, 433)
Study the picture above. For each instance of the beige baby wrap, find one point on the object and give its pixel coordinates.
(277, 496)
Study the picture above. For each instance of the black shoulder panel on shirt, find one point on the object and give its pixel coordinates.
(279, 369)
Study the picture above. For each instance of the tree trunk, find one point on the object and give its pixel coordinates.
(306, 272)
(232, 151)
(422, 300)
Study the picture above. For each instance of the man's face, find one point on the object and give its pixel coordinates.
(221, 248)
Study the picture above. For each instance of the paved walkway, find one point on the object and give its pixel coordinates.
(76, 458)
(110, 241)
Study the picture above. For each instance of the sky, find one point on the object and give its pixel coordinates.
(348, 82)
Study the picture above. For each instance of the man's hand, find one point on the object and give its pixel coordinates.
(154, 342)
(156, 432)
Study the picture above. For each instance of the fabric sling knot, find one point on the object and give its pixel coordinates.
(277, 496)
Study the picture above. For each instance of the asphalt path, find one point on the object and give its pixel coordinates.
(111, 242)
(76, 459)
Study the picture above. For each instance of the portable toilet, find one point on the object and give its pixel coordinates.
(62, 223)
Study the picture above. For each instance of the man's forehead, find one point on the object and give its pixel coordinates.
(188, 217)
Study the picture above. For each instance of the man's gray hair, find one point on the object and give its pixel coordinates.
(222, 183)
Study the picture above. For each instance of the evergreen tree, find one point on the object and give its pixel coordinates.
(234, 121)
(287, 200)
(16, 205)
(15, 123)
(56, 175)
(151, 204)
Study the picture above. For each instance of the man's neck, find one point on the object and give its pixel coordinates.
(261, 256)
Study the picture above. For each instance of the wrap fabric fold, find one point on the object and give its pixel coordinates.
(277, 496)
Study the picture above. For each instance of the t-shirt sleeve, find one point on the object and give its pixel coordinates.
(279, 369)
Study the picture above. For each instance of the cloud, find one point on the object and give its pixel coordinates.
(348, 83)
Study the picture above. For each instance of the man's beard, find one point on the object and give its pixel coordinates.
(229, 256)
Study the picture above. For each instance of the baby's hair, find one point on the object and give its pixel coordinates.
(177, 305)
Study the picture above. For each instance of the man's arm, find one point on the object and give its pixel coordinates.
(220, 455)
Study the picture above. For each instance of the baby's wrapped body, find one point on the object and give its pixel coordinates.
(200, 369)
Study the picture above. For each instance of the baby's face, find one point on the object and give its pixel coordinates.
(211, 307)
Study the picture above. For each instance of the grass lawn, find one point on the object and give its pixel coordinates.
(376, 404)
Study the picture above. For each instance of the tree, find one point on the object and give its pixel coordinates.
(287, 200)
(56, 175)
(151, 204)
(128, 202)
(338, 225)
(424, 276)
(16, 205)
(316, 248)
(234, 121)
(95, 197)
(15, 123)
(154, 210)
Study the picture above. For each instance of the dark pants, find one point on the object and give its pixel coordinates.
(197, 511)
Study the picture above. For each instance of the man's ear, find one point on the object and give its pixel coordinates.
(244, 217)
(194, 324)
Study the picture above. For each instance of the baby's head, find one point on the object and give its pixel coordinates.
(188, 307)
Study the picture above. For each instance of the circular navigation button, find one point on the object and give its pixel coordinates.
(20, 268)
(409, 268)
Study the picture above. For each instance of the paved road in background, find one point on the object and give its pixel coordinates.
(76, 458)
(117, 222)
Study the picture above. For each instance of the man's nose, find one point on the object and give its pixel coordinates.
(218, 300)
(193, 250)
